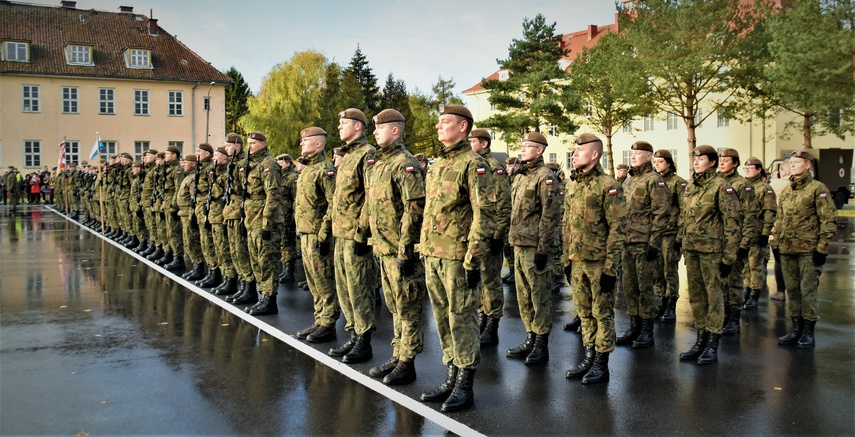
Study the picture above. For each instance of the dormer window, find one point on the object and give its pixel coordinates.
(138, 58)
(504, 75)
(79, 55)
(17, 51)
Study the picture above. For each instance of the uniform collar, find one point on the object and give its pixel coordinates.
(591, 173)
(644, 168)
(454, 149)
(312, 159)
(359, 141)
(395, 148)
(703, 178)
(799, 183)
(528, 166)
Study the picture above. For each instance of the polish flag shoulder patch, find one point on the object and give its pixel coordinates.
(500, 172)
(769, 191)
(748, 189)
(549, 182)
(409, 169)
(267, 170)
(331, 174)
(661, 184)
(481, 171)
(823, 196)
(241, 169)
(613, 192)
(683, 184)
(370, 161)
(730, 191)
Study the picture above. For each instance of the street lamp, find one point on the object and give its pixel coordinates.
(208, 111)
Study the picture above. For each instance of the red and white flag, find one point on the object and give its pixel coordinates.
(61, 163)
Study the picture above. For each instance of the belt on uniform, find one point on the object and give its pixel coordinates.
(257, 197)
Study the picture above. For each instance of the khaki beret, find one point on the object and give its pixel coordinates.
(662, 153)
(161, 155)
(727, 152)
(173, 149)
(803, 154)
(642, 145)
(420, 157)
(191, 158)
(127, 156)
(206, 147)
(72, 165)
(622, 167)
(586, 138)
(257, 135)
(84, 162)
(754, 161)
(354, 114)
(535, 137)
(137, 164)
(151, 152)
(312, 132)
(458, 110)
(285, 157)
(222, 150)
(512, 160)
(388, 116)
(234, 138)
(706, 150)
(553, 166)
(480, 133)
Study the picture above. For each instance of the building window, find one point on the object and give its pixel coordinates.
(699, 116)
(553, 157)
(69, 100)
(587, 108)
(106, 101)
(627, 155)
(504, 75)
(140, 102)
(722, 120)
(79, 55)
(833, 118)
(672, 121)
(569, 160)
(180, 145)
(627, 126)
(32, 154)
(648, 123)
(553, 130)
(72, 152)
(604, 161)
(176, 103)
(492, 107)
(30, 98)
(139, 148)
(493, 133)
(16, 51)
(108, 150)
(139, 58)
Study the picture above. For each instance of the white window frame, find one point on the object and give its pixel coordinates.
(627, 157)
(176, 104)
(141, 102)
(649, 123)
(30, 98)
(13, 49)
(180, 145)
(106, 101)
(722, 121)
(698, 117)
(70, 100)
(108, 150)
(32, 153)
(553, 130)
(79, 55)
(627, 127)
(672, 121)
(138, 58)
(72, 152)
(553, 157)
(139, 148)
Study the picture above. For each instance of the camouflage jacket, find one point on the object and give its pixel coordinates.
(157, 187)
(203, 185)
(749, 206)
(219, 179)
(234, 186)
(289, 192)
(460, 207)
(263, 206)
(147, 185)
(768, 202)
(174, 175)
(123, 182)
(315, 188)
(648, 206)
(710, 217)
(185, 193)
(535, 208)
(350, 191)
(503, 194)
(594, 211)
(676, 188)
(394, 200)
(806, 219)
(135, 198)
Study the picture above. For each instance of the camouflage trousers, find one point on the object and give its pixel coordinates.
(264, 260)
(354, 279)
(667, 282)
(508, 252)
(191, 240)
(148, 222)
(221, 244)
(239, 250)
(754, 273)
(638, 277)
(140, 230)
(801, 277)
(320, 277)
(533, 290)
(160, 230)
(289, 241)
(173, 233)
(705, 290)
(455, 312)
(123, 214)
(734, 291)
(404, 299)
(206, 241)
(596, 309)
(492, 291)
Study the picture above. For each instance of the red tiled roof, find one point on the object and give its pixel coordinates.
(48, 29)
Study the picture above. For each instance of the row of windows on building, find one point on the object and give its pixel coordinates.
(31, 101)
(76, 54)
(34, 152)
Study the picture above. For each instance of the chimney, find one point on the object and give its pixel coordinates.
(126, 9)
(152, 27)
(592, 31)
(68, 4)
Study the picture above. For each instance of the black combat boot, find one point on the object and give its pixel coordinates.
(444, 390)
(195, 273)
(267, 305)
(540, 352)
(462, 395)
(806, 341)
(490, 334)
(144, 246)
(599, 370)
(753, 298)
(322, 334)
(695, 351)
(149, 250)
(342, 350)
(670, 314)
(134, 243)
(645, 337)
(710, 354)
(287, 272)
(482, 322)
(227, 287)
(212, 279)
(241, 287)
(524, 349)
(733, 324)
(155, 255)
(509, 278)
(793, 336)
(630, 335)
(403, 373)
(165, 259)
(384, 369)
(574, 325)
(583, 367)
(249, 295)
(361, 350)
(305, 332)
(661, 305)
(177, 262)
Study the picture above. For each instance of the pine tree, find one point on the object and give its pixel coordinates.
(395, 97)
(237, 94)
(367, 81)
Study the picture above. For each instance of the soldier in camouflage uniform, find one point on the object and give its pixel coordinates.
(263, 206)
(667, 283)
(535, 211)
(219, 180)
(313, 219)
(734, 295)
(394, 205)
(511, 167)
(354, 263)
(492, 291)
(593, 214)
(174, 175)
(202, 190)
(459, 221)
(110, 188)
(138, 229)
(184, 199)
(233, 213)
(157, 196)
(758, 255)
(709, 236)
(289, 232)
(123, 193)
(648, 211)
(147, 202)
(803, 228)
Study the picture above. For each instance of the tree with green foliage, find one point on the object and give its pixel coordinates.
(237, 94)
(535, 93)
(395, 96)
(425, 110)
(367, 81)
(340, 91)
(288, 102)
(443, 92)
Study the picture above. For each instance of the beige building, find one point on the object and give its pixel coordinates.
(71, 74)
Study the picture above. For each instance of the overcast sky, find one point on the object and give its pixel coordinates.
(417, 41)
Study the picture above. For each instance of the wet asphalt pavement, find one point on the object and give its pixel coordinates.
(95, 341)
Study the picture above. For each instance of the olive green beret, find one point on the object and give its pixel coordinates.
(706, 150)
(803, 154)
(222, 150)
(586, 138)
(642, 145)
(729, 153)
(257, 135)
(84, 163)
(137, 164)
(191, 158)
(161, 155)
(480, 133)
(206, 147)
(388, 116)
(459, 110)
(234, 138)
(553, 166)
(127, 156)
(173, 149)
(622, 167)
(420, 157)
(285, 157)
(754, 161)
(535, 137)
(151, 152)
(72, 165)
(312, 132)
(354, 114)
(662, 153)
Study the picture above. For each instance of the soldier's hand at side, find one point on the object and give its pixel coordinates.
(360, 249)
(140, 213)
(496, 245)
(607, 283)
(540, 261)
(678, 246)
(819, 258)
(266, 235)
(724, 269)
(323, 248)
(407, 267)
(568, 272)
(651, 253)
(175, 216)
(473, 278)
(742, 253)
(763, 241)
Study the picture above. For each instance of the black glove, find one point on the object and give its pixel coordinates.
(266, 235)
(651, 253)
(742, 253)
(568, 272)
(193, 220)
(540, 261)
(724, 269)
(360, 249)
(473, 278)
(607, 283)
(175, 216)
(140, 213)
(323, 248)
(407, 267)
(208, 225)
(678, 246)
(496, 246)
(819, 258)
(763, 241)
